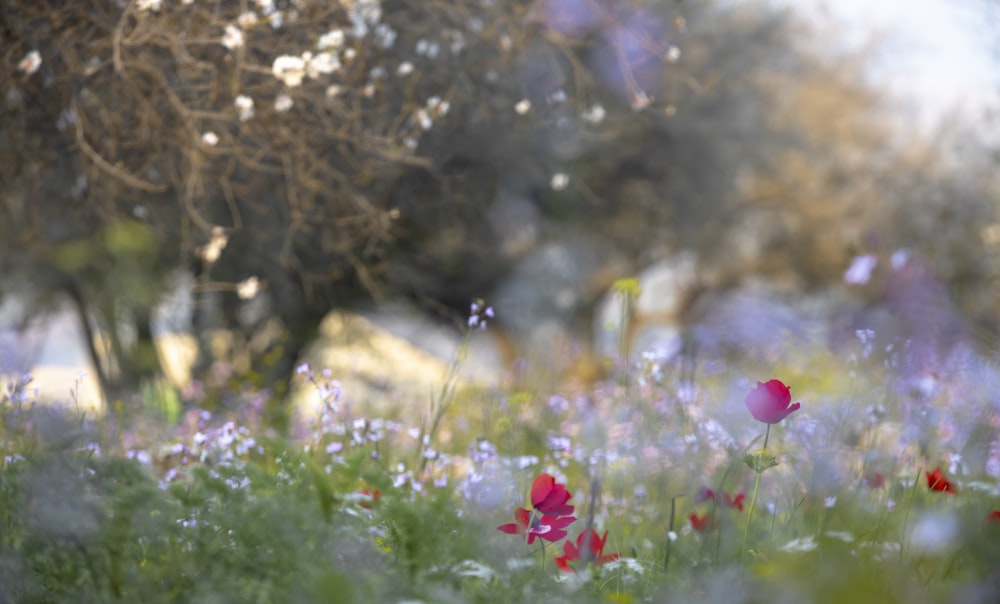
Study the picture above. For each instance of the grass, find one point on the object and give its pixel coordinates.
(375, 509)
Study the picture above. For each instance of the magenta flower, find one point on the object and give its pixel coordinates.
(529, 526)
(550, 497)
(769, 403)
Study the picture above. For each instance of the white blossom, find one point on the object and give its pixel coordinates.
(424, 119)
(248, 288)
(209, 139)
(247, 19)
(283, 103)
(559, 181)
(331, 39)
(244, 107)
(289, 69)
(405, 68)
(673, 54)
(149, 5)
(322, 64)
(523, 106)
(31, 62)
(233, 38)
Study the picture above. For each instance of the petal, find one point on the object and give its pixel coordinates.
(572, 553)
(609, 558)
(541, 488)
(553, 535)
(510, 529)
(523, 517)
(781, 393)
(558, 522)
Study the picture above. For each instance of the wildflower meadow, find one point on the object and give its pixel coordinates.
(656, 484)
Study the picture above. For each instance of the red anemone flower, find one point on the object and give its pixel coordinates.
(769, 403)
(594, 543)
(993, 516)
(735, 502)
(937, 482)
(703, 523)
(550, 497)
(527, 526)
(707, 494)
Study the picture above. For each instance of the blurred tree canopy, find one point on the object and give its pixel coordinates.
(342, 150)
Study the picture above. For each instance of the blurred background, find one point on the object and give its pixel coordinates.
(199, 196)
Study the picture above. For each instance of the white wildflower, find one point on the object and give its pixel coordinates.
(405, 68)
(233, 38)
(802, 544)
(333, 91)
(559, 181)
(30, 63)
(289, 69)
(247, 19)
(331, 39)
(523, 106)
(244, 107)
(424, 119)
(673, 54)
(149, 5)
(860, 270)
(323, 63)
(209, 139)
(248, 288)
(595, 115)
(283, 103)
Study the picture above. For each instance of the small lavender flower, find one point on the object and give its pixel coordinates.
(478, 313)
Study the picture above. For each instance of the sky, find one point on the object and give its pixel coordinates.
(939, 56)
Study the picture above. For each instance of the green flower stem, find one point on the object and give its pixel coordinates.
(753, 500)
(753, 504)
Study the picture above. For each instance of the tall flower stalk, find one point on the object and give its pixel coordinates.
(769, 403)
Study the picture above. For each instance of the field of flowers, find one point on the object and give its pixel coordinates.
(790, 476)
